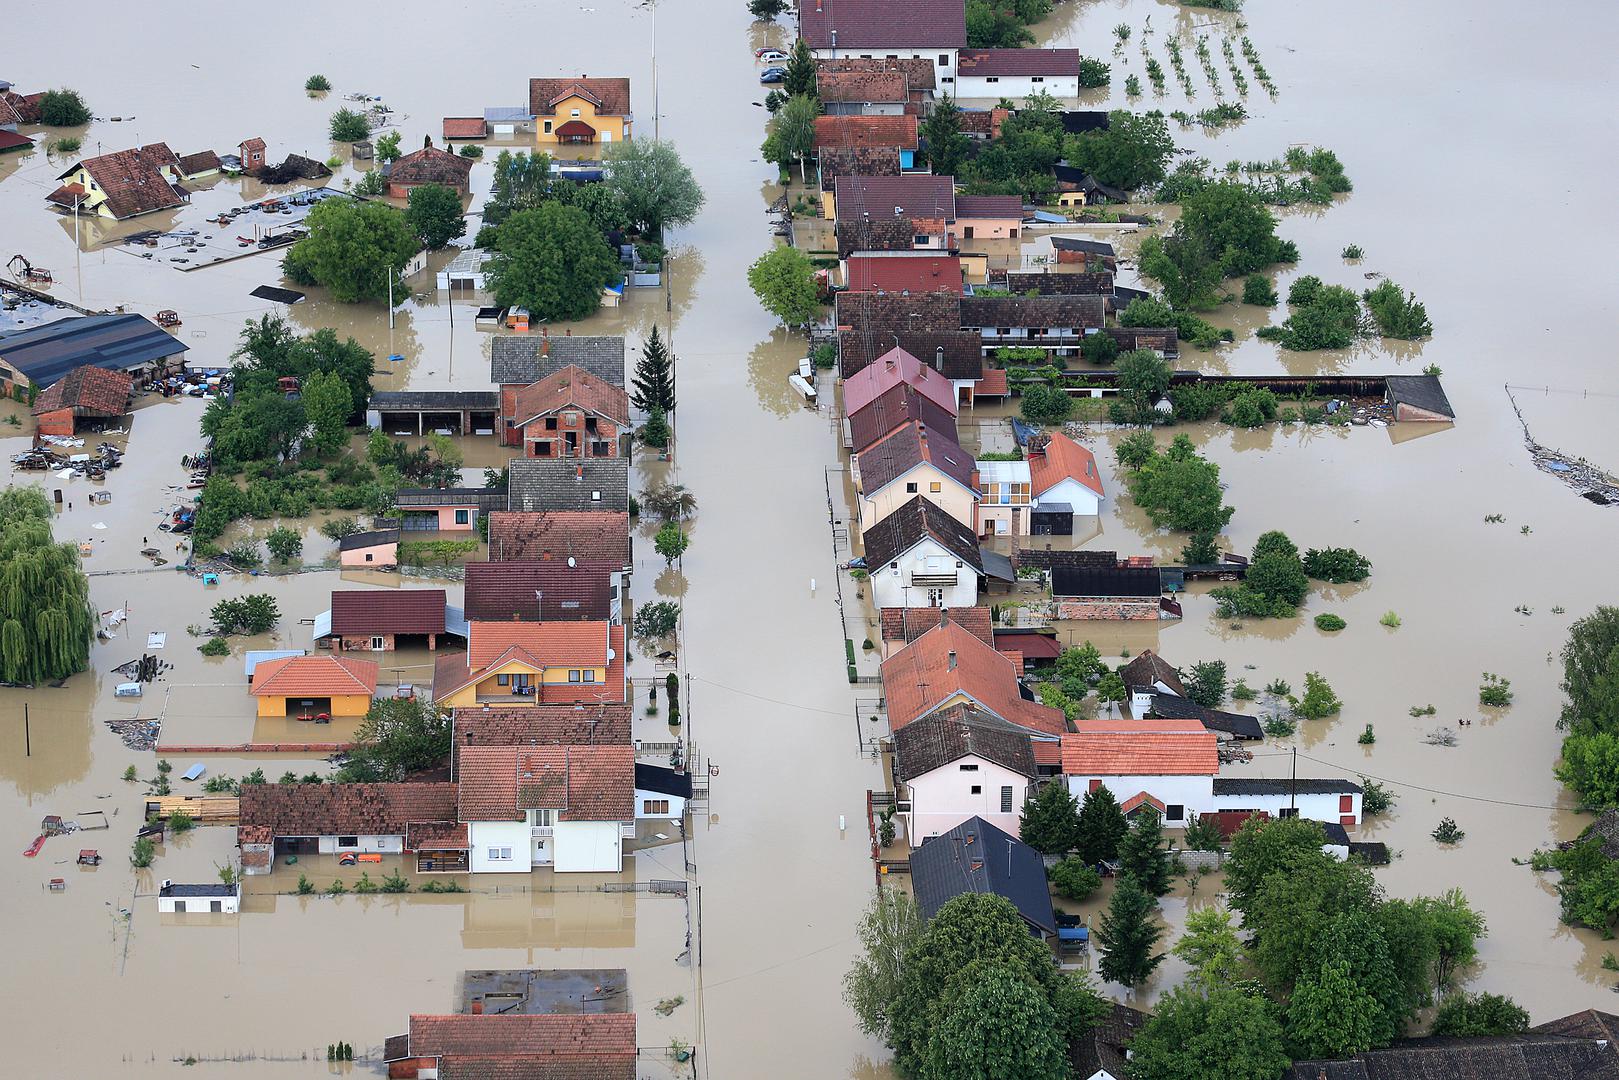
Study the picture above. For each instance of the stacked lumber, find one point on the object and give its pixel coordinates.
(203, 809)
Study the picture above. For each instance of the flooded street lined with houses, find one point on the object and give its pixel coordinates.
(1438, 112)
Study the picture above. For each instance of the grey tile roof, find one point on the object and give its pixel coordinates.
(951, 734)
(1231, 785)
(528, 358)
(908, 525)
(1032, 311)
(976, 857)
(445, 400)
(1519, 1057)
(579, 484)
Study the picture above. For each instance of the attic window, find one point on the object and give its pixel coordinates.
(595, 496)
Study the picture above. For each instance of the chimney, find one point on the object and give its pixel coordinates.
(545, 342)
(952, 661)
(579, 472)
(938, 358)
(944, 616)
(477, 1006)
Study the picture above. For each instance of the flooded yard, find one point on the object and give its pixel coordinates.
(1427, 108)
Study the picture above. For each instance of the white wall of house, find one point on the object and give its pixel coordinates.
(891, 585)
(1316, 807)
(588, 847)
(500, 847)
(338, 845)
(957, 501)
(1016, 87)
(1193, 794)
(675, 812)
(947, 796)
(200, 905)
(1084, 501)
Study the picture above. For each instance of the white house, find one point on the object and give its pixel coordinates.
(1171, 761)
(887, 29)
(1320, 800)
(216, 898)
(1017, 73)
(1063, 471)
(566, 807)
(920, 556)
(661, 792)
(960, 763)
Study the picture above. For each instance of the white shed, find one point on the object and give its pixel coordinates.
(218, 899)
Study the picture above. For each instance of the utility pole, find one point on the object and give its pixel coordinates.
(27, 735)
(1293, 785)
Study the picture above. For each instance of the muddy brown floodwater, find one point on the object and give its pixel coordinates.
(1455, 120)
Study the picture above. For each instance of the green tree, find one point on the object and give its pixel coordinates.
(353, 248)
(1591, 673)
(1102, 827)
(1233, 227)
(995, 1022)
(1320, 316)
(1473, 1015)
(1206, 682)
(1099, 348)
(327, 407)
(398, 737)
(1336, 565)
(1180, 490)
(256, 613)
(783, 279)
(947, 147)
(1455, 929)
(656, 188)
(1222, 1032)
(670, 541)
(1049, 821)
(1350, 999)
(1188, 273)
(1210, 948)
(348, 126)
(1144, 854)
(792, 130)
(767, 10)
(1201, 550)
(285, 544)
(1074, 879)
(1128, 934)
(655, 432)
(1136, 449)
(1257, 290)
(1318, 702)
(553, 261)
(889, 929)
(1202, 834)
(1132, 152)
(435, 214)
(1397, 314)
(46, 621)
(800, 77)
(993, 27)
(1077, 667)
(1045, 404)
(387, 146)
(654, 384)
(63, 108)
(1142, 377)
(657, 619)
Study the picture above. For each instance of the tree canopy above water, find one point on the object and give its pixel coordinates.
(45, 617)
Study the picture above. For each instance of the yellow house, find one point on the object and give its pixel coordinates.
(518, 664)
(582, 110)
(311, 685)
(122, 185)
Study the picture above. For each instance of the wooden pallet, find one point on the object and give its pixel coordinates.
(203, 809)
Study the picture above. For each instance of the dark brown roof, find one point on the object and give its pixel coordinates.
(1097, 284)
(1032, 311)
(920, 313)
(914, 196)
(431, 165)
(611, 97)
(940, 24)
(1148, 669)
(908, 624)
(588, 1036)
(1104, 1047)
(836, 161)
(989, 206)
(896, 406)
(862, 86)
(587, 535)
(543, 725)
(20, 108)
(911, 445)
(388, 611)
(919, 72)
(98, 391)
(1518, 1057)
(951, 734)
(885, 234)
(985, 122)
(332, 809)
(909, 525)
(501, 591)
(132, 181)
(963, 349)
(846, 130)
(1587, 1024)
(1014, 62)
(1165, 340)
(435, 836)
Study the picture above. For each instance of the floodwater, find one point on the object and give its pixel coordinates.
(1426, 107)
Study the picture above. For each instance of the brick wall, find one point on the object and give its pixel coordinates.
(363, 643)
(59, 422)
(1108, 609)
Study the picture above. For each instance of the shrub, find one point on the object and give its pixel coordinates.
(1367, 738)
(348, 126)
(317, 84)
(339, 527)
(1494, 691)
(1447, 831)
(1279, 726)
(825, 355)
(1319, 701)
(1044, 404)
(1353, 251)
(1074, 879)
(1374, 797)
(63, 108)
(181, 822)
(365, 885)
(305, 886)
(1257, 290)
(1329, 622)
(472, 150)
(1390, 620)
(336, 888)
(245, 554)
(1241, 691)
(67, 144)
(143, 851)
(1398, 314)
(217, 646)
(130, 774)
(1337, 565)
(1462, 1014)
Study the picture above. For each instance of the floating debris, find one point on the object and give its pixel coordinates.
(137, 734)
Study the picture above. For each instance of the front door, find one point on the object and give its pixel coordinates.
(966, 232)
(542, 851)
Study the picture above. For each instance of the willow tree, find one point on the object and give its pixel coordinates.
(46, 622)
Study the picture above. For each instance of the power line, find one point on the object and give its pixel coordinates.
(1436, 791)
(761, 697)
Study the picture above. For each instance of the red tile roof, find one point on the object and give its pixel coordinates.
(200, 162)
(132, 180)
(536, 1035)
(951, 660)
(846, 130)
(464, 127)
(431, 165)
(1105, 752)
(96, 390)
(554, 644)
(388, 611)
(10, 140)
(862, 87)
(314, 676)
(879, 197)
(906, 273)
(344, 809)
(517, 1067)
(908, 624)
(452, 673)
(611, 97)
(596, 535)
(989, 206)
(435, 836)
(1047, 752)
(1138, 800)
(541, 589)
(890, 370)
(1063, 459)
(893, 24)
(993, 384)
(586, 783)
(571, 386)
(1016, 62)
(543, 725)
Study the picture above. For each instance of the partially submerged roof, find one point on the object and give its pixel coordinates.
(544, 1044)
(609, 97)
(376, 538)
(117, 342)
(95, 391)
(314, 676)
(856, 24)
(465, 127)
(597, 536)
(585, 783)
(527, 358)
(1420, 392)
(909, 446)
(917, 520)
(662, 780)
(568, 484)
(976, 857)
(388, 611)
(1236, 725)
(960, 731)
(432, 165)
(1150, 669)
(1079, 243)
(132, 179)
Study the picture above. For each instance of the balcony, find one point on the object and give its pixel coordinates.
(541, 832)
(933, 581)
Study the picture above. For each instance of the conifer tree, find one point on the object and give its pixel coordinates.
(1101, 827)
(1142, 854)
(654, 377)
(1128, 934)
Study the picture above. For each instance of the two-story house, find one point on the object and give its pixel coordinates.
(123, 184)
(910, 461)
(951, 665)
(920, 556)
(519, 360)
(572, 414)
(1058, 324)
(566, 807)
(1041, 494)
(959, 763)
(582, 110)
(846, 130)
(533, 663)
(887, 29)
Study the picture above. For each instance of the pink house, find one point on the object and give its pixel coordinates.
(370, 550)
(988, 217)
(959, 763)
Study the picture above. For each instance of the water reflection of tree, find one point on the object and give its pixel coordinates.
(58, 738)
(670, 583)
(769, 364)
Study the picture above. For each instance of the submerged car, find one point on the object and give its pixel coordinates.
(773, 75)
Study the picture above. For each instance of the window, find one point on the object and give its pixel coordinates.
(462, 518)
(548, 127)
(180, 906)
(216, 905)
(595, 496)
(944, 59)
(369, 556)
(1289, 811)
(571, 419)
(910, 489)
(541, 817)
(574, 112)
(1038, 78)
(348, 841)
(1003, 330)
(654, 806)
(589, 675)
(919, 240)
(969, 768)
(992, 78)
(1094, 785)
(947, 78)
(1006, 800)
(935, 487)
(378, 644)
(978, 789)
(500, 854)
(550, 423)
(503, 680)
(1174, 812)
(573, 675)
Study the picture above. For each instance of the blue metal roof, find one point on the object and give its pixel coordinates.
(976, 857)
(116, 342)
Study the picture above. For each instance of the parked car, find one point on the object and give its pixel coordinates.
(772, 56)
(773, 75)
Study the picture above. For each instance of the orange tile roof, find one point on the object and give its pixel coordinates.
(949, 660)
(1064, 459)
(1139, 799)
(554, 644)
(586, 783)
(865, 131)
(1126, 726)
(314, 676)
(1147, 753)
(571, 385)
(1047, 752)
(453, 672)
(544, 1035)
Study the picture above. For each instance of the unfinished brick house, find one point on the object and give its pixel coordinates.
(572, 414)
(517, 361)
(89, 393)
(1123, 592)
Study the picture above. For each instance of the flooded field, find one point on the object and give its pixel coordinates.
(1427, 108)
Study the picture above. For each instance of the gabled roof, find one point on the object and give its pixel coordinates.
(1148, 669)
(919, 73)
(950, 660)
(610, 97)
(344, 809)
(1032, 311)
(586, 783)
(542, 725)
(1015, 62)
(893, 368)
(900, 405)
(917, 520)
(116, 342)
(933, 272)
(431, 165)
(1056, 283)
(200, 162)
(951, 734)
(862, 87)
(589, 536)
(976, 857)
(835, 161)
(909, 623)
(388, 611)
(1140, 799)
(955, 354)
(1079, 243)
(878, 233)
(1586, 1024)
(1104, 1047)
(360, 540)
(876, 197)
(1131, 581)
(908, 446)
(98, 391)
(571, 386)
(528, 358)
(541, 1036)
(1420, 392)
(1097, 750)
(541, 589)
(1059, 459)
(568, 484)
(465, 127)
(314, 676)
(851, 24)
(1232, 785)
(1531, 1056)
(452, 672)
(845, 129)
(132, 180)
(553, 644)
(1237, 725)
